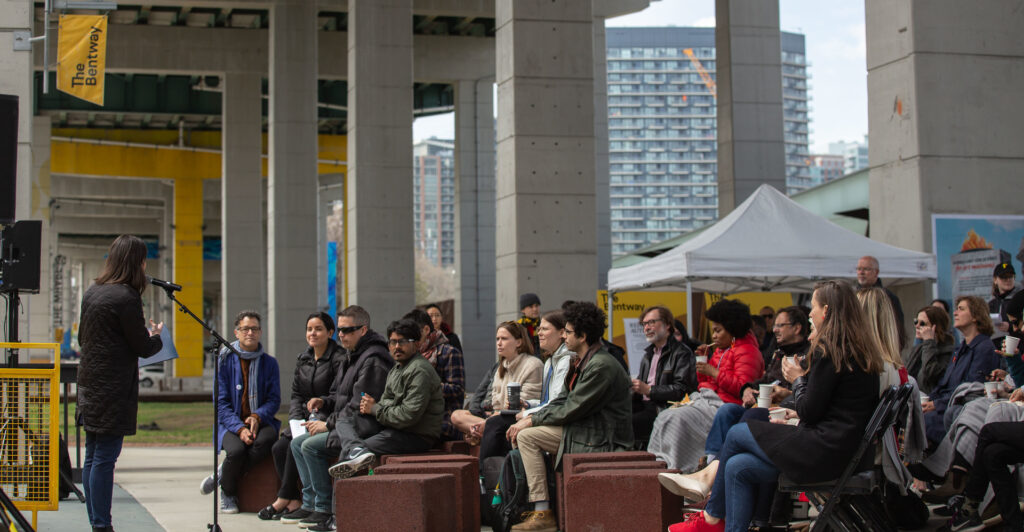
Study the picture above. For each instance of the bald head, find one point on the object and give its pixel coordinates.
(867, 271)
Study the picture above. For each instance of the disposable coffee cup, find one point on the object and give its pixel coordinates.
(990, 389)
(514, 402)
(764, 396)
(792, 360)
(925, 398)
(777, 414)
(1010, 345)
(702, 358)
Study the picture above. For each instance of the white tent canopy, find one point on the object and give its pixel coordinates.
(770, 243)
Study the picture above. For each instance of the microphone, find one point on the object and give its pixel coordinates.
(166, 285)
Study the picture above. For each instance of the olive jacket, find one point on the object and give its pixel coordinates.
(412, 400)
(594, 408)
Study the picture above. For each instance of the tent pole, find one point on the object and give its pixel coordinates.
(689, 309)
(611, 311)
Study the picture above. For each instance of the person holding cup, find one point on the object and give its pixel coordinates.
(516, 365)
(927, 361)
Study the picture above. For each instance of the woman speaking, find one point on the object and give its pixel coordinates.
(113, 337)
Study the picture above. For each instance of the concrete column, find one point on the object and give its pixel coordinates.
(944, 117)
(378, 200)
(751, 148)
(545, 184)
(242, 267)
(39, 307)
(474, 225)
(16, 79)
(291, 188)
(603, 202)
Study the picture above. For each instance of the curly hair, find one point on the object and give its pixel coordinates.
(406, 328)
(587, 319)
(732, 315)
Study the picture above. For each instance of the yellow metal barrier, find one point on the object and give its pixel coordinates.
(29, 462)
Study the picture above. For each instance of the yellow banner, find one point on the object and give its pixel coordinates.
(82, 56)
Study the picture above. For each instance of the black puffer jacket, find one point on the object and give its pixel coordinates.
(113, 337)
(313, 378)
(365, 372)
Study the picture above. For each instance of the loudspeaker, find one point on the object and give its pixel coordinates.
(19, 256)
(8, 156)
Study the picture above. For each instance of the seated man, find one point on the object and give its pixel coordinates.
(667, 371)
(594, 407)
(365, 369)
(409, 412)
(248, 397)
(450, 367)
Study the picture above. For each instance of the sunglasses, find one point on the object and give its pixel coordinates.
(349, 330)
(921, 323)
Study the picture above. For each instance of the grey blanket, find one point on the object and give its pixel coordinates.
(679, 433)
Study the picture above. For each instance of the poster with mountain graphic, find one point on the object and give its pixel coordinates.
(968, 247)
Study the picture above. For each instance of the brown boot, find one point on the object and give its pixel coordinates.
(542, 521)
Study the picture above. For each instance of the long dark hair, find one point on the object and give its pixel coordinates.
(940, 319)
(124, 263)
(845, 336)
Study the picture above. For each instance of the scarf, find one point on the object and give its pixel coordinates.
(435, 340)
(254, 371)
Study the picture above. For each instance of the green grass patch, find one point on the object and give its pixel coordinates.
(179, 424)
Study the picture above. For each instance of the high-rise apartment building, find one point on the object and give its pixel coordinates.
(434, 199)
(662, 130)
(826, 167)
(855, 154)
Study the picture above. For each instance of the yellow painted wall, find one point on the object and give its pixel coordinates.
(188, 169)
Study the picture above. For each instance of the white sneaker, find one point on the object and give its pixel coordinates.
(349, 468)
(206, 486)
(228, 504)
(685, 486)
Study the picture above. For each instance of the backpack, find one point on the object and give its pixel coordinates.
(490, 474)
(514, 492)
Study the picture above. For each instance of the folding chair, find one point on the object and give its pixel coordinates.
(850, 502)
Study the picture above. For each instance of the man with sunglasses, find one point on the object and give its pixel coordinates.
(408, 412)
(364, 370)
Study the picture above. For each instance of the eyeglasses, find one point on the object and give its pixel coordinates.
(921, 323)
(569, 331)
(652, 323)
(247, 330)
(349, 330)
(780, 325)
(401, 341)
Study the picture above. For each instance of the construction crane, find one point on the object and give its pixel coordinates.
(710, 83)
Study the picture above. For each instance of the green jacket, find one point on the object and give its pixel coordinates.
(412, 399)
(596, 415)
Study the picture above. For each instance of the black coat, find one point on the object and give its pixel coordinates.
(113, 337)
(834, 409)
(365, 372)
(313, 378)
(480, 402)
(676, 372)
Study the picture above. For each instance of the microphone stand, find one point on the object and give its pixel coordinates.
(218, 342)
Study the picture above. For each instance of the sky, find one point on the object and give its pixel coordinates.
(834, 37)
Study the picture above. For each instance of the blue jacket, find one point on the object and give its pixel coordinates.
(970, 362)
(229, 397)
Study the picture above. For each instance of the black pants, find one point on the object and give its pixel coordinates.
(241, 456)
(1000, 445)
(284, 463)
(493, 442)
(644, 413)
(387, 441)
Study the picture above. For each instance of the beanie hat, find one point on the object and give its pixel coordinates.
(528, 299)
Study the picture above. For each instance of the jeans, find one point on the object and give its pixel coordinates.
(101, 452)
(744, 471)
(311, 454)
(728, 415)
(1000, 444)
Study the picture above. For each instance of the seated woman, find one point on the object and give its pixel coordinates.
(517, 364)
(1000, 446)
(881, 322)
(315, 369)
(679, 433)
(927, 361)
(834, 398)
(974, 360)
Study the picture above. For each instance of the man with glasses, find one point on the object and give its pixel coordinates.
(408, 413)
(667, 371)
(867, 276)
(591, 415)
(366, 366)
(248, 397)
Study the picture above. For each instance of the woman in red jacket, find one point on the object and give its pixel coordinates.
(679, 433)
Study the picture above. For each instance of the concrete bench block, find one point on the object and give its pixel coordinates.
(406, 502)
(570, 463)
(603, 466)
(456, 447)
(427, 457)
(466, 494)
(619, 499)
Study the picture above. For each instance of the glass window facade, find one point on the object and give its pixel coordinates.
(434, 200)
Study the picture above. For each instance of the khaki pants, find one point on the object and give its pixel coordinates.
(532, 443)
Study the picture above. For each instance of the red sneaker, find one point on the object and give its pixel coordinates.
(695, 523)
